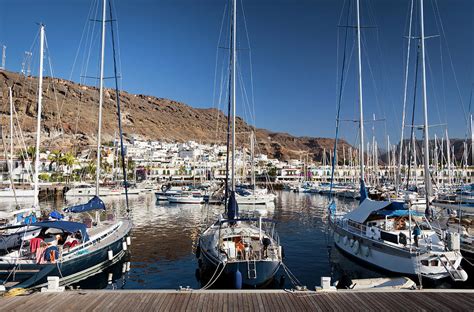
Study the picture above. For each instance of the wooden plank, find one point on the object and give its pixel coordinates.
(240, 301)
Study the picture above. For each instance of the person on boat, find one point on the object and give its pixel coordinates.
(240, 247)
(266, 243)
(72, 240)
(416, 233)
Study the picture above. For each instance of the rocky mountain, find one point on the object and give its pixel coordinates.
(70, 111)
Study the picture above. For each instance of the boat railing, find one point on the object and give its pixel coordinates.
(355, 227)
(92, 241)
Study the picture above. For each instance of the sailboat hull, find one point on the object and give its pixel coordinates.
(265, 271)
(384, 257)
(84, 264)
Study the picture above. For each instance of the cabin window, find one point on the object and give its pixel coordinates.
(424, 262)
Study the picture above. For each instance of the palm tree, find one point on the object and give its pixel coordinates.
(69, 160)
(55, 157)
(30, 153)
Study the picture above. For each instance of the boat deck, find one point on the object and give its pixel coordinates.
(270, 300)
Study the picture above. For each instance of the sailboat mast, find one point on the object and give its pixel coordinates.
(472, 142)
(38, 118)
(234, 68)
(101, 96)
(425, 111)
(361, 108)
(10, 94)
(398, 177)
(252, 154)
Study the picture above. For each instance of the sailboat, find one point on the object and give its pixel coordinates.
(253, 195)
(12, 192)
(380, 232)
(243, 252)
(72, 251)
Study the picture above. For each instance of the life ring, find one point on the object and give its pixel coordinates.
(355, 247)
(164, 188)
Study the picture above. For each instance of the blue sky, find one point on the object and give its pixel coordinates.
(168, 49)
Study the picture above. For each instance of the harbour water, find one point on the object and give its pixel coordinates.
(164, 236)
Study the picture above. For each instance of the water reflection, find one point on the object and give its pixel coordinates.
(164, 238)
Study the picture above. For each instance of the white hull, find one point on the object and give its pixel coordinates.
(9, 193)
(186, 200)
(394, 259)
(255, 199)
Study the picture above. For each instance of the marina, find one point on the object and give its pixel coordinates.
(114, 200)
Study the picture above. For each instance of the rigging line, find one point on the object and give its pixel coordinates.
(250, 65)
(119, 116)
(214, 91)
(433, 88)
(376, 91)
(412, 134)
(344, 84)
(443, 80)
(246, 102)
(450, 59)
(117, 33)
(60, 126)
(86, 25)
(386, 88)
(338, 111)
(93, 36)
(10, 166)
(87, 29)
(405, 93)
(224, 76)
(222, 95)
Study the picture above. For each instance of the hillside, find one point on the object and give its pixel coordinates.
(70, 119)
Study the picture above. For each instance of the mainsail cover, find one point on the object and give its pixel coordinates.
(94, 204)
(233, 207)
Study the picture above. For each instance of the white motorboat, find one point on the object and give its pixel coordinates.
(186, 198)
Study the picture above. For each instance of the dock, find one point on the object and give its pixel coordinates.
(242, 300)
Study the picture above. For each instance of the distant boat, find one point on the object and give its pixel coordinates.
(186, 198)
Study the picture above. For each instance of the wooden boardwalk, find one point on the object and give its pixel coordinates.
(143, 300)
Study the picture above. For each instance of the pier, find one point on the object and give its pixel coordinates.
(242, 300)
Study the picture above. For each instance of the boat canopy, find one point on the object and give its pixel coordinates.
(94, 204)
(65, 226)
(361, 213)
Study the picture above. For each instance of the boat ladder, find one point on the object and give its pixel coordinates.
(449, 267)
(252, 269)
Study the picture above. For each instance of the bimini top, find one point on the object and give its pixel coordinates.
(94, 204)
(65, 226)
(361, 213)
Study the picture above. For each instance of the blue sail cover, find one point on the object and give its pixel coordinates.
(233, 207)
(363, 191)
(94, 204)
(66, 226)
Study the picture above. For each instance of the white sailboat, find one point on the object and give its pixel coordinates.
(243, 252)
(11, 191)
(380, 232)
